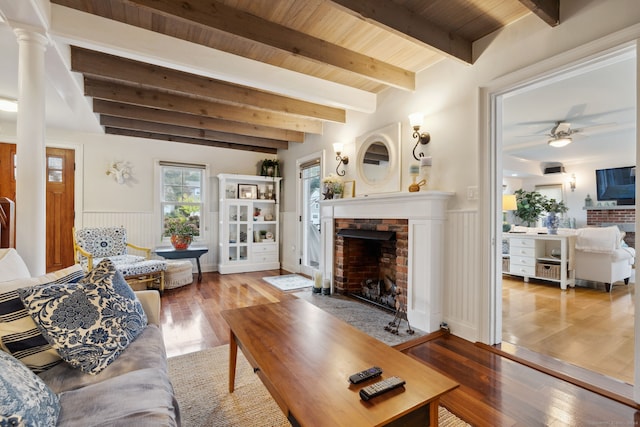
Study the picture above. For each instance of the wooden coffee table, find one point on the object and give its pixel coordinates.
(304, 356)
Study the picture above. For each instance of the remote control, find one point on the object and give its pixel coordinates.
(372, 372)
(376, 389)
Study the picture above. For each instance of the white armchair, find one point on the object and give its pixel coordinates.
(602, 257)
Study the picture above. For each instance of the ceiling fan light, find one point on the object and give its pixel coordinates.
(560, 142)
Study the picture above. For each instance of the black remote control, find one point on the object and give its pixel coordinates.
(376, 389)
(372, 372)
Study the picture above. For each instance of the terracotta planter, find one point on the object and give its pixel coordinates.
(181, 243)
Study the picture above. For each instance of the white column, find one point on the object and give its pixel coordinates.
(30, 164)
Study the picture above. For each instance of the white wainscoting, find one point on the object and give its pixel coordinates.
(142, 231)
(462, 285)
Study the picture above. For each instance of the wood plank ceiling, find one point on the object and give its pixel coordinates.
(370, 45)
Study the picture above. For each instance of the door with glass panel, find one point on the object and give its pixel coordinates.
(310, 195)
(60, 208)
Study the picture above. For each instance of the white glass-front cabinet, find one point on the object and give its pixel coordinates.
(249, 224)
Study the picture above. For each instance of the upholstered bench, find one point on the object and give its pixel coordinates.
(179, 273)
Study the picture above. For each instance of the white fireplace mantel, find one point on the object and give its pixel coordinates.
(426, 213)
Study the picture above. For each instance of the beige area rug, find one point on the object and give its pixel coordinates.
(201, 381)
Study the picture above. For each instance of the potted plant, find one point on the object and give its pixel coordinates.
(181, 230)
(530, 206)
(553, 207)
(270, 167)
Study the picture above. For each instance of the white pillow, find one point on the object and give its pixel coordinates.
(12, 266)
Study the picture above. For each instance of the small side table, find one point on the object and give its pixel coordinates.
(190, 252)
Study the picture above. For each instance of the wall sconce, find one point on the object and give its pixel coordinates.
(120, 171)
(337, 147)
(572, 182)
(415, 120)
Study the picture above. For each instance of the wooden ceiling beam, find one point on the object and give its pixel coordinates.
(163, 137)
(105, 66)
(389, 15)
(116, 109)
(205, 15)
(170, 102)
(547, 10)
(162, 128)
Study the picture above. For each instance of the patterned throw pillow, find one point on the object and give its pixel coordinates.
(25, 400)
(106, 274)
(89, 324)
(19, 335)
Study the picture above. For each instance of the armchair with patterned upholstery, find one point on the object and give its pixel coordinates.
(91, 245)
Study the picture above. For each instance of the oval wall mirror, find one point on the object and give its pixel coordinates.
(375, 162)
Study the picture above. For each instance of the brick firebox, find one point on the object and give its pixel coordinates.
(358, 259)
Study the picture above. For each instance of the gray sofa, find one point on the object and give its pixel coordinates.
(134, 390)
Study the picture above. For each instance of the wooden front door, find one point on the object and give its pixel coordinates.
(60, 208)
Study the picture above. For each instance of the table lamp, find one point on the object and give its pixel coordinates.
(508, 204)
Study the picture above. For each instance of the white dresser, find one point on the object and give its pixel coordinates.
(542, 256)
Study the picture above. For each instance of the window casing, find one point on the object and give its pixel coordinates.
(182, 196)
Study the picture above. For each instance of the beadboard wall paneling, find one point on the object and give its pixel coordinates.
(142, 231)
(461, 276)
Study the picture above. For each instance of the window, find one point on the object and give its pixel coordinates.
(182, 196)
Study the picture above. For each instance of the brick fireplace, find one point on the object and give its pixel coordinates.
(359, 258)
(416, 260)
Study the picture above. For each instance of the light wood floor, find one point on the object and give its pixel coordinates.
(587, 327)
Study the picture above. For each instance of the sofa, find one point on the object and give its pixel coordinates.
(110, 382)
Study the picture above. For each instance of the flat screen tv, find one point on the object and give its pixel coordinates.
(617, 184)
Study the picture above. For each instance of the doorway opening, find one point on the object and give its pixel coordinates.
(596, 98)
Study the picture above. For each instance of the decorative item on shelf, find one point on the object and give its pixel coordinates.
(425, 169)
(247, 191)
(333, 187)
(416, 119)
(181, 231)
(415, 186)
(588, 202)
(349, 189)
(552, 221)
(257, 214)
(270, 167)
(508, 204)
(120, 171)
(338, 147)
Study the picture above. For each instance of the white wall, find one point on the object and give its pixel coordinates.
(100, 201)
(448, 93)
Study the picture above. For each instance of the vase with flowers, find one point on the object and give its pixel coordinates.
(181, 231)
(333, 187)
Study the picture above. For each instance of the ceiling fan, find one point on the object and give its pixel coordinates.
(561, 134)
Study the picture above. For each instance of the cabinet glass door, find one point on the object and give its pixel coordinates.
(238, 230)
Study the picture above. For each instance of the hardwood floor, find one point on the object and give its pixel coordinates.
(587, 327)
(494, 390)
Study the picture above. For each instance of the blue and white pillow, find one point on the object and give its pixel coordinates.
(106, 274)
(89, 324)
(25, 400)
(19, 335)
